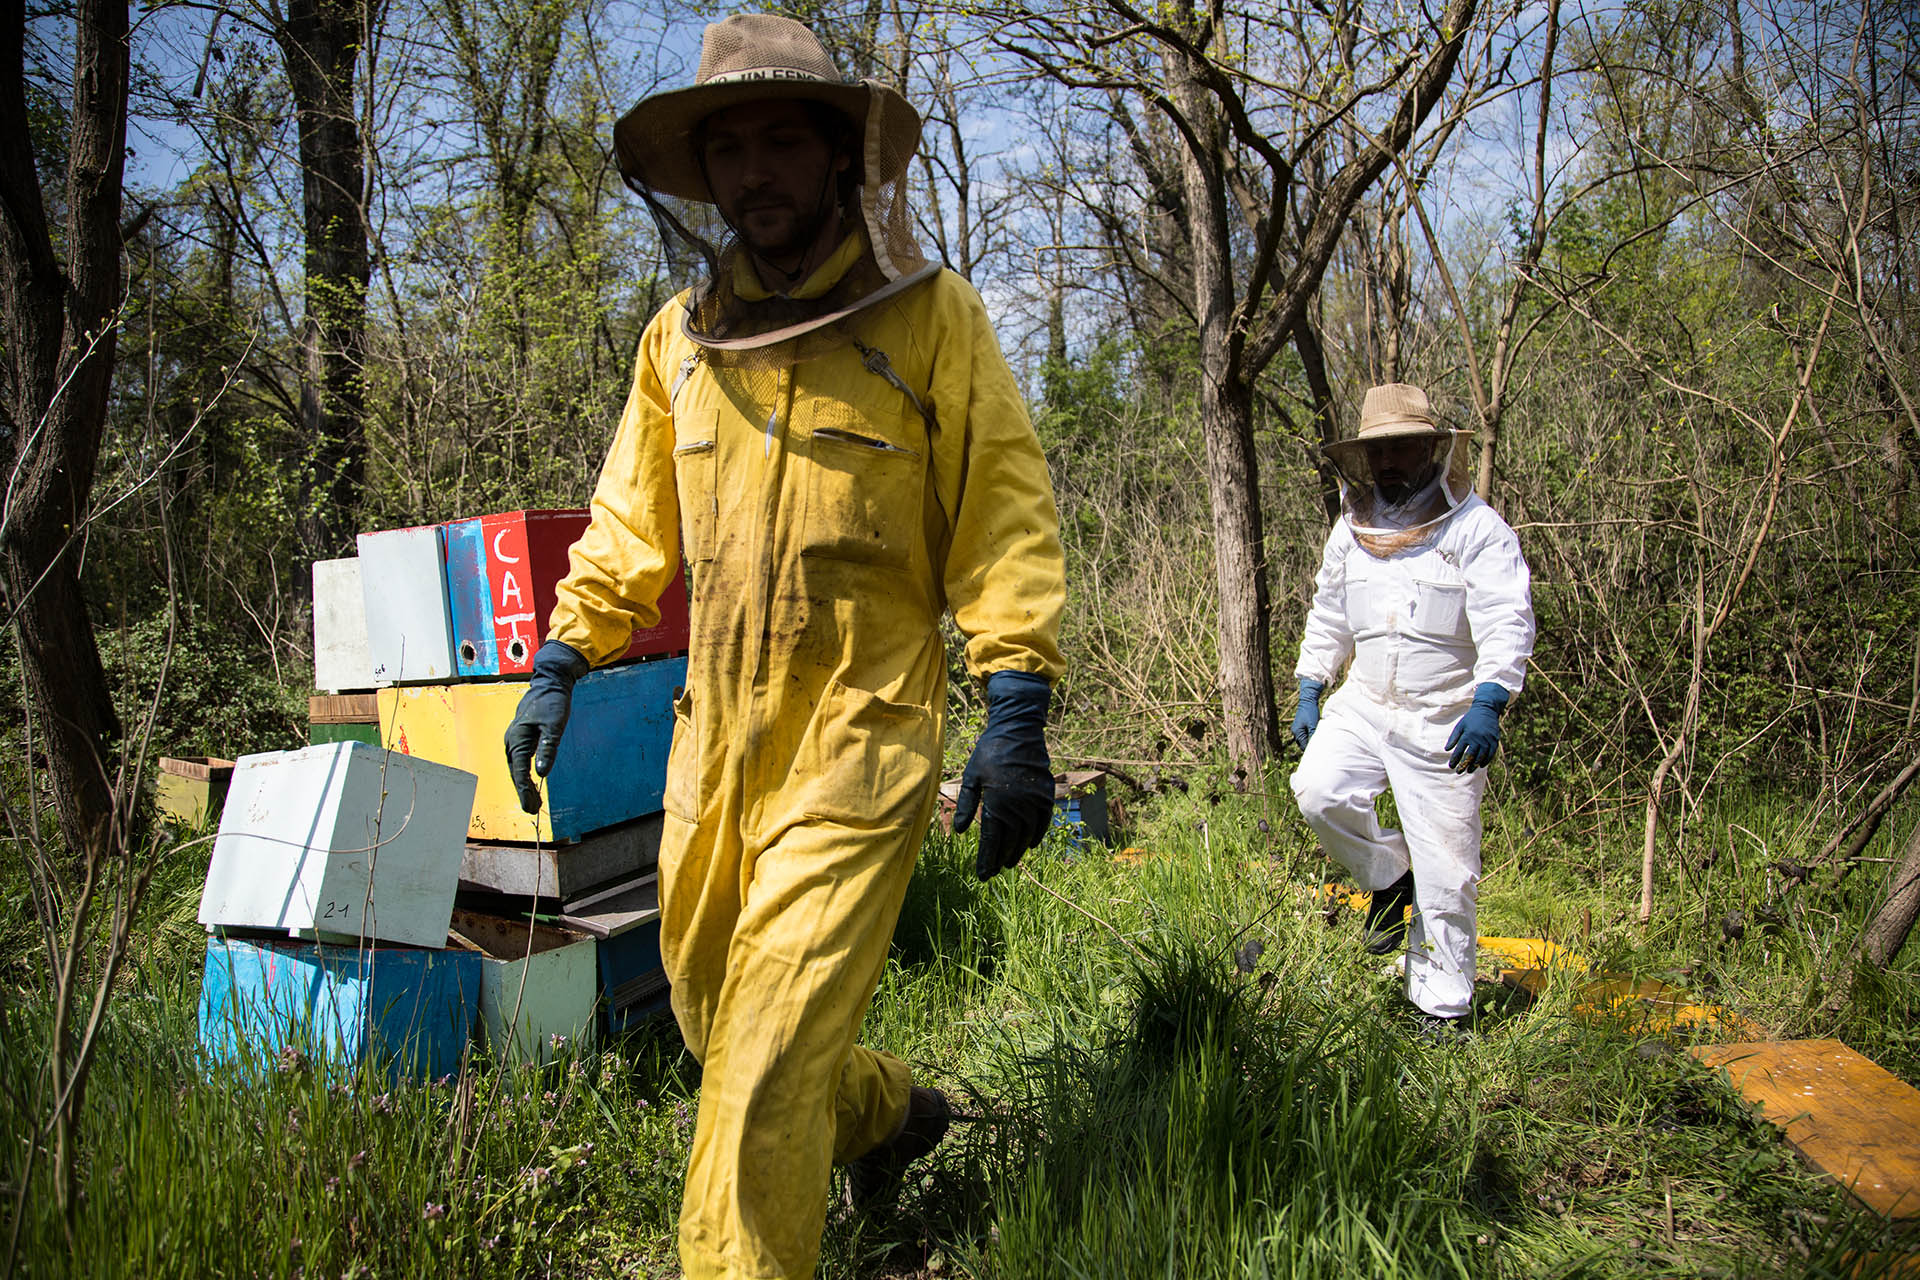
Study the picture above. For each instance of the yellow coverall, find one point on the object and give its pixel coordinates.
(826, 524)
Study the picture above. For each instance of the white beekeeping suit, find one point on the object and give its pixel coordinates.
(1423, 589)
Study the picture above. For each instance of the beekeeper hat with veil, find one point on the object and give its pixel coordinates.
(1402, 473)
(752, 57)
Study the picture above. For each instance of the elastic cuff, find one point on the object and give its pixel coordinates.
(1017, 680)
(558, 658)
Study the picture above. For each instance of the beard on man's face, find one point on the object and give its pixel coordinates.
(779, 229)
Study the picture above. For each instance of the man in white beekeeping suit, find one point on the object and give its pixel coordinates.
(1423, 587)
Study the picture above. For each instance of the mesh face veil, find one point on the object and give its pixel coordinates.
(742, 319)
(1385, 526)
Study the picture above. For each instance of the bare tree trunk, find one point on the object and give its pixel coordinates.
(1851, 841)
(1887, 931)
(1240, 572)
(1245, 313)
(321, 41)
(60, 326)
(1688, 717)
(1313, 362)
(1226, 420)
(1505, 349)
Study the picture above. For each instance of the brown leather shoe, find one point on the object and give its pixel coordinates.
(876, 1175)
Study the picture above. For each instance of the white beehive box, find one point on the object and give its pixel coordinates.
(537, 985)
(340, 841)
(403, 581)
(341, 662)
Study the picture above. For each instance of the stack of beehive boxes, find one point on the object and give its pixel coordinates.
(453, 616)
(327, 902)
(423, 645)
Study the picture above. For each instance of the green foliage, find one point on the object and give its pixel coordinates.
(1083, 400)
(1135, 1102)
(214, 698)
(1216, 1132)
(288, 1170)
(1141, 1092)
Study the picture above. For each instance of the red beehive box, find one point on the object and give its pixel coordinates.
(525, 556)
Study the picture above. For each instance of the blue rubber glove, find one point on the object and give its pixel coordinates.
(1477, 737)
(1307, 718)
(1009, 777)
(540, 719)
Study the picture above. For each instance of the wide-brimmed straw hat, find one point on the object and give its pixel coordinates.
(1395, 410)
(750, 57)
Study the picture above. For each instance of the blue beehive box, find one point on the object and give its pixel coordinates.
(1080, 805)
(632, 982)
(625, 918)
(616, 769)
(470, 600)
(407, 1011)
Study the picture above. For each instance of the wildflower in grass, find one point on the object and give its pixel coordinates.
(359, 1158)
(384, 1104)
(443, 1081)
(548, 1097)
(293, 1119)
(433, 1212)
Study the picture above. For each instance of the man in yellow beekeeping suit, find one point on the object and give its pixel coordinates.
(826, 428)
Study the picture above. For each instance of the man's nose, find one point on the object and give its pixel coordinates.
(754, 169)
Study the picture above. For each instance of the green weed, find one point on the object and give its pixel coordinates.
(1184, 1066)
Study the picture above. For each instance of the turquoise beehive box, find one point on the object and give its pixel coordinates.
(469, 603)
(407, 1012)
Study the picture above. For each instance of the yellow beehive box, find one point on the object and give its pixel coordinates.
(191, 790)
(612, 762)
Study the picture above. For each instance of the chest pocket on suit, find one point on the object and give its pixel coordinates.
(1439, 608)
(866, 469)
(695, 442)
(1367, 606)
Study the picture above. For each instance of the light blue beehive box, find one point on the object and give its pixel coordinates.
(407, 1012)
(470, 599)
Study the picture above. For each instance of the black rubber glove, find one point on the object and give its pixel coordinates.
(534, 735)
(1009, 778)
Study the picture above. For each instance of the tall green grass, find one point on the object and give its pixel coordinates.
(1182, 1068)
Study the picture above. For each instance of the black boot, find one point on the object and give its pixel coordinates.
(1386, 916)
(875, 1175)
